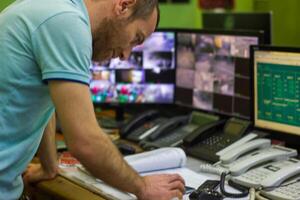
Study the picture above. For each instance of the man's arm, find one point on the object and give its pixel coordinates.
(47, 150)
(47, 169)
(93, 148)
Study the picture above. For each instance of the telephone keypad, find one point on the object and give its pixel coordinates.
(289, 191)
(171, 138)
(207, 149)
(255, 177)
(217, 142)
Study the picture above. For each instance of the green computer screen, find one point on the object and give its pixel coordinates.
(277, 91)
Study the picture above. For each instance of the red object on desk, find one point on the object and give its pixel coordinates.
(67, 160)
(212, 4)
(278, 142)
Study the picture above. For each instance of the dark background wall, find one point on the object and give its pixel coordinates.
(286, 31)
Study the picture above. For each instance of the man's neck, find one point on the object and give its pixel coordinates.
(97, 10)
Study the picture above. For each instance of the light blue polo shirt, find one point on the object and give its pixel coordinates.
(40, 40)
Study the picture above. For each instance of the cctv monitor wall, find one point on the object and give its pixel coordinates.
(147, 77)
(213, 71)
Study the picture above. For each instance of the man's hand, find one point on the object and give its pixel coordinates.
(162, 187)
(35, 173)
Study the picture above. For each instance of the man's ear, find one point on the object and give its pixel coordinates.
(122, 7)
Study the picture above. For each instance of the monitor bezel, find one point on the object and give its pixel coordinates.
(254, 48)
(132, 104)
(255, 33)
(268, 39)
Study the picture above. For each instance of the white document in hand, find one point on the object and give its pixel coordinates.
(160, 159)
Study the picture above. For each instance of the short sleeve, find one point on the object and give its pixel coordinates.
(62, 46)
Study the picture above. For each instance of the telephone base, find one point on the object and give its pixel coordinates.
(109, 123)
(199, 151)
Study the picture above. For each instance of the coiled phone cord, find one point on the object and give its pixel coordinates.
(213, 169)
(244, 191)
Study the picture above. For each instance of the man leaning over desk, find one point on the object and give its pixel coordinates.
(46, 47)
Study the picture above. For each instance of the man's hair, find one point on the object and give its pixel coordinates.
(144, 8)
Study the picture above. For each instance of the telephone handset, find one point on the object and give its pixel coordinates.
(165, 128)
(138, 121)
(258, 157)
(252, 145)
(269, 175)
(278, 177)
(144, 131)
(168, 127)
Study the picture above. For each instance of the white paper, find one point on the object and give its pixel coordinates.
(163, 158)
(191, 178)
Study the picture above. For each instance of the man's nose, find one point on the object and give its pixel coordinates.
(125, 54)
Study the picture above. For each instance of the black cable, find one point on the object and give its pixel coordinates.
(237, 186)
(227, 194)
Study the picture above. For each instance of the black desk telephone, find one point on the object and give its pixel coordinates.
(164, 130)
(175, 137)
(207, 140)
(138, 121)
(149, 125)
(168, 126)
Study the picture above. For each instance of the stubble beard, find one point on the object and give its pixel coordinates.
(106, 39)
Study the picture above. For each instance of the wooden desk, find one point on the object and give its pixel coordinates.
(61, 188)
